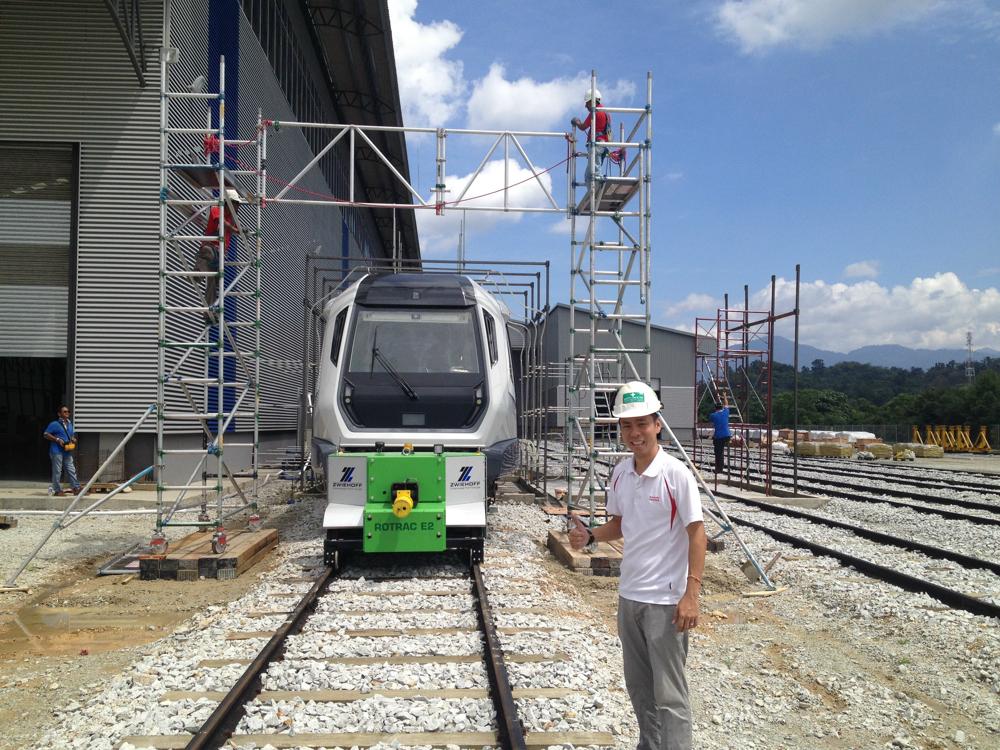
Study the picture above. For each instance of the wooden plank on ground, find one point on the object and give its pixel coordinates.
(191, 557)
(385, 632)
(361, 661)
(470, 740)
(605, 560)
(561, 510)
(348, 696)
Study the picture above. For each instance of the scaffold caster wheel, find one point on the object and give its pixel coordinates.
(158, 544)
(254, 522)
(219, 541)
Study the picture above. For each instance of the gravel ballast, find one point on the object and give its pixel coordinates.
(836, 660)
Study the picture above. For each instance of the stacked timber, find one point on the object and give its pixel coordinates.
(807, 448)
(836, 450)
(920, 450)
(879, 450)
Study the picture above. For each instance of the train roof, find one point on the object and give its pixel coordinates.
(416, 290)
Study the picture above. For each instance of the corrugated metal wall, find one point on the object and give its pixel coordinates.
(672, 363)
(65, 77)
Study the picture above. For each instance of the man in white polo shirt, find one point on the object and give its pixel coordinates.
(654, 506)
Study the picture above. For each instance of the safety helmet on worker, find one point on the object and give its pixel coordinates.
(233, 195)
(587, 93)
(635, 399)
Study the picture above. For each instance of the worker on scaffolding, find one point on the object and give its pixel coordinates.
(601, 121)
(653, 504)
(722, 433)
(208, 253)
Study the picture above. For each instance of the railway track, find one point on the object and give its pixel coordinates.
(917, 572)
(889, 472)
(852, 491)
(360, 661)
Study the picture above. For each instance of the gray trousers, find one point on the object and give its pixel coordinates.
(654, 654)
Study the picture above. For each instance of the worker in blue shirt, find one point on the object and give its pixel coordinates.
(62, 443)
(720, 419)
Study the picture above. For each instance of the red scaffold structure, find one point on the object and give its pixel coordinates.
(734, 362)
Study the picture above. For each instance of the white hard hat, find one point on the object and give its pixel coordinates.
(234, 195)
(635, 399)
(586, 94)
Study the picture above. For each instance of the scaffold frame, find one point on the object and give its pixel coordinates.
(223, 385)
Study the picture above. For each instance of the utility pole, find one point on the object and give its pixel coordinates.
(970, 369)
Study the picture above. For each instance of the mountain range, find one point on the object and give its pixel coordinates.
(881, 355)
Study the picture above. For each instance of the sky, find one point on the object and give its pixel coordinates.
(857, 138)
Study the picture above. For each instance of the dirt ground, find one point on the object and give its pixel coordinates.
(64, 638)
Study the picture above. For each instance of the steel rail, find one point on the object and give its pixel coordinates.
(510, 732)
(940, 553)
(219, 727)
(897, 470)
(825, 488)
(915, 495)
(862, 469)
(905, 581)
(953, 515)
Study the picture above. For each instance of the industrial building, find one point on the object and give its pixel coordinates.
(79, 182)
(671, 369)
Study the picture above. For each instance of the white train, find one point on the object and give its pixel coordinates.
(415, 364)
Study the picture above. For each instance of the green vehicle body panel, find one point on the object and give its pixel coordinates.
(423, 530)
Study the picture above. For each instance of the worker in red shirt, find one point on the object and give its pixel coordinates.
(602, 129)
(208, 253)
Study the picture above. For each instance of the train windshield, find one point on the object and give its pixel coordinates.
(415, 341)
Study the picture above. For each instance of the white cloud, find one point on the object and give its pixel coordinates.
(864, 269)
(431, 87)
(698, 305)
(439, 234)
(560, 227)
(499, 103)
(928, 313)
(757, 25)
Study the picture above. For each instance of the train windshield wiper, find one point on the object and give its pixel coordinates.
(387, 365)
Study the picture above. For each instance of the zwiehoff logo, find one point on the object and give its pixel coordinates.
(465, 479)
(347, 479)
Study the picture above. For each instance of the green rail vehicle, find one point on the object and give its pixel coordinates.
(405, 502)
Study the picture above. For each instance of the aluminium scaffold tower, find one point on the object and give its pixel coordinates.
(208, 360)
(609, 279)
(610, 246)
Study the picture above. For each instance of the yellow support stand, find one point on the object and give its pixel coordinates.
(963, 437)
(982, 444)
(915, 436)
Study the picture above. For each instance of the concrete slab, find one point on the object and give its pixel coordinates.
(35, 496)
(808, 502)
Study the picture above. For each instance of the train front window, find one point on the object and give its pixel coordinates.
(414, 341)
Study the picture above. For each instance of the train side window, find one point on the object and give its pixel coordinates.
(491, 336)
(338, 335)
